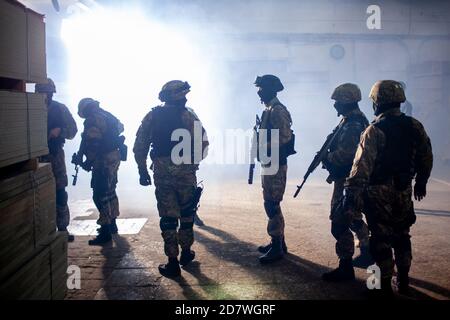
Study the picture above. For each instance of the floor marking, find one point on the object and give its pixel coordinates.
(89, 227)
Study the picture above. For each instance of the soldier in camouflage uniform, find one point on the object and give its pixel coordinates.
(60, 126)
(101, 143)
(338, 162)
(393, 151)
(277, 117)
(175, 181)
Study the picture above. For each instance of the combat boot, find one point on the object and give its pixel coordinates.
(266, 248)
(275, 252)
(104, 236)
(364, 259)
(344, 272)
(197, 221)
(186, 257)
(170, 269)
(403, 281)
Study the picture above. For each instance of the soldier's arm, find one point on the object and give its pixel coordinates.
(142, 143)
(69, 130)
(346, 145)
(363, 165)
(424, 154)
(281, 120)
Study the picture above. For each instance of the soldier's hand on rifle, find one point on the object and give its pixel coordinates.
(144, 177)
(87, 166)
(420, 191)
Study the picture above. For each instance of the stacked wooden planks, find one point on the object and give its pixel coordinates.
(33, 256)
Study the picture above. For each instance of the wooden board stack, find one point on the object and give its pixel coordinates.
(33, 256)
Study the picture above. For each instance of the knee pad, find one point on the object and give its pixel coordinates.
(168, 223)
(272, 208)
(186, 225)
(61, 197)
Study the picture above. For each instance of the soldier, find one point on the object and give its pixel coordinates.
(60, 126)
(339, 162)
(101, 144)
(393, 151)
(275, 116)
(176, 190)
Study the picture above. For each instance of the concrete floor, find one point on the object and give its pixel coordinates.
(227, 267)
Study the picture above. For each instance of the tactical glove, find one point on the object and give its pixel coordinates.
(420, 191)
(144, 178)
(87, 166)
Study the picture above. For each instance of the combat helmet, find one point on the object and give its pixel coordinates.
(174, 90)
(347, 93)
(269, 82)
(387, 92)
(84, 104)
(48, 87)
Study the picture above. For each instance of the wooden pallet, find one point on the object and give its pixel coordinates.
(13, 84)
(18, 168)
(27, 216)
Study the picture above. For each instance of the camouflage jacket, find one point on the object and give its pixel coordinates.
(277, 116)
(96, 139)
(59, 116)
(342, 152)
(145, 135)
(371, 146)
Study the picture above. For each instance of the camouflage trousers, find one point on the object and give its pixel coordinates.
(273, 190)
(103, 183)
(390, 214)
(58, 162)
(343, 223)
(174, 189)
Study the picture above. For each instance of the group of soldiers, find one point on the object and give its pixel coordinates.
(372, 167)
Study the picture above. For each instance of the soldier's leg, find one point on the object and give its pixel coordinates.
(168, 209)
(403, 258)
(360, 228)
(186, 187)
(345, 246)
(340, 228)
(273, 191)
(168, 226)
(104, 184)
(59, 172)
(378, 209)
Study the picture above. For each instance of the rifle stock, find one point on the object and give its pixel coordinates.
(320, 156)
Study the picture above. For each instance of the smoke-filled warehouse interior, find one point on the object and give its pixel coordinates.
(224, 150)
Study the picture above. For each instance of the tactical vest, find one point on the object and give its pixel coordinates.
(287, 149)
(55, 120)
(340, 172)
(164, 121)
(111, 137)
(395, 164)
